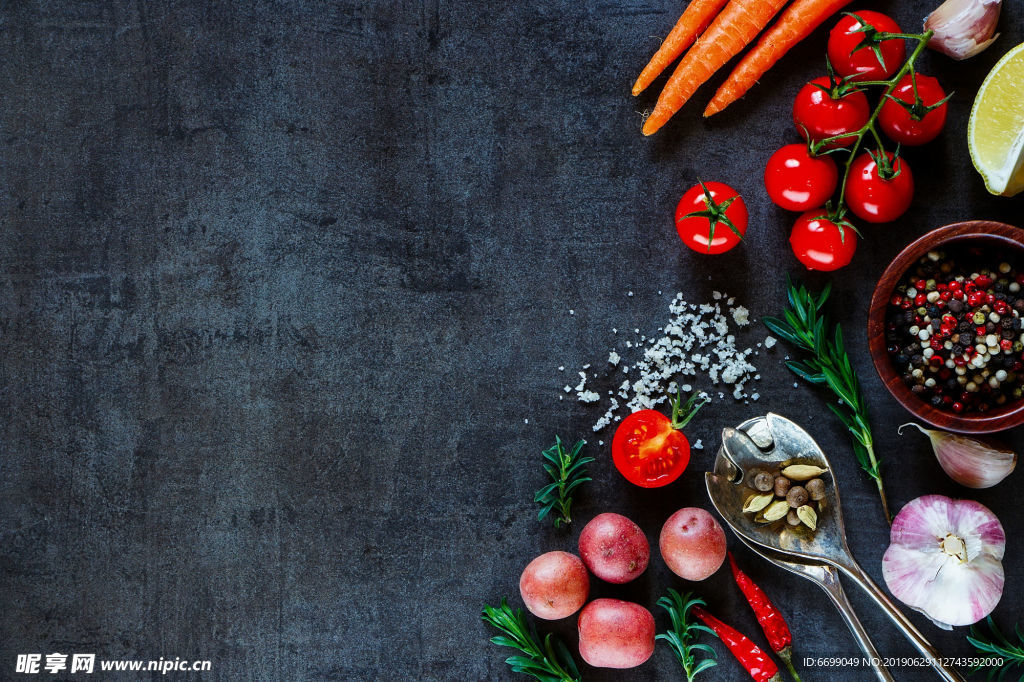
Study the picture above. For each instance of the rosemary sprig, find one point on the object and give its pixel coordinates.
(997, 646)
(549, 661)
(568, 470)
(683, 633)
(828, 364)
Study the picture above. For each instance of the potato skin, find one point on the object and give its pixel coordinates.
(615, 634)
(554, 585)
(614, 548)
(692, 543)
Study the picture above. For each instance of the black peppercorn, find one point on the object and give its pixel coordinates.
(936, 401)
(964, 326)
(1006, 323)
(917, 388)
(933, 311)
(1018, 305)
(967, 339)
(955, 306)
(990, 327)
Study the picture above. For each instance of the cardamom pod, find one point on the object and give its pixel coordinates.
(756, 503)
(776, 510)
(808, 516)
(802, 472)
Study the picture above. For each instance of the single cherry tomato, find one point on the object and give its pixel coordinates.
(797, 181)
(649, 449)
(879, 193)
(824, 108)
(853, 47)
(921, 116)
(822, 243)
(711, 218)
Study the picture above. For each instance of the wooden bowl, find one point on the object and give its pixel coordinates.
(999, 235)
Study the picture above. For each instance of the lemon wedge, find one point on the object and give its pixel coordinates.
(995, 134)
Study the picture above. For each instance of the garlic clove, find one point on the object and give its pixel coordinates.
(971, 462)
(963, 28)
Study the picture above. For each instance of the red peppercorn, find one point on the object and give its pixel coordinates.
(958, 407)
(949, 319)
(941, 286)
(907, 304)
(945, 295)
(983, 281)
(896, 299)
(920, 285)
(980, 331)
(969, 286)
(990, 298)
(960, 361)
(975, 298)
(945, 330)
(945, 373)
(954, 285)
(936, 359)
(920, 300)
(1020, 279)
(1001, 307)
(1018, 366)
(1006, 344)
(936, 344)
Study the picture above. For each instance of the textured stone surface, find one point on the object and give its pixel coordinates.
(280, 283)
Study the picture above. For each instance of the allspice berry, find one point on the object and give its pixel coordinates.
(751, 478)
(815, 488)
(792, 518)
(782, 486)
(797, 496)
(764, 481)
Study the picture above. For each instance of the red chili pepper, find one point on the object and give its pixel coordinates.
(756, 662)
(780, 639)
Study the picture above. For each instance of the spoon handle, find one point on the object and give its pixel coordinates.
(835, 592)
(905, 626)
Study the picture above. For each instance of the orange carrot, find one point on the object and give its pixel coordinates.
(795, 24)
(695, 19)
(730, 32)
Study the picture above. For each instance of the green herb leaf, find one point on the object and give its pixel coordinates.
(996, 646)
(681, 638)
(568, 470)
(807, 328)
(548, 661)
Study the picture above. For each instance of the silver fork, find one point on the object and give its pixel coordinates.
(826, 578)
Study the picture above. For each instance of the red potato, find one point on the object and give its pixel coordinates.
(614, 548)
(615, 634)
(554, 585)
(692, 543)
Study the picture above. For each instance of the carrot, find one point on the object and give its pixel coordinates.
(795, 24)
(695, 19)
(729, 33)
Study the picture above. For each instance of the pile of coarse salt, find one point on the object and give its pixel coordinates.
(696, 342)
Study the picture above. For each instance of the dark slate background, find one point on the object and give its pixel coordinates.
(281, 282)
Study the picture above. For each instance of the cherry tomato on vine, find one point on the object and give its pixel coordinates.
(824, 108)
(821, 242)
(649, 449)
(879, 192)
(914, 119)
(854, 47)
(797, 181)
(711, 218)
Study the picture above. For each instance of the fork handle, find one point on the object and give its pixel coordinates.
(835, 592)
(854, 571)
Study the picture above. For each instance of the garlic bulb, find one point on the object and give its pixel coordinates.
(968, 461)
(945, 559)
(963, 28)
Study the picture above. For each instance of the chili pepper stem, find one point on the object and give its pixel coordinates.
(786, 656)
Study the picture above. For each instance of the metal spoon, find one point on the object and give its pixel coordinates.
(777, 442)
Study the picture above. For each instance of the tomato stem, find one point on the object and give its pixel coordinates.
(889, 85)
(682, 412)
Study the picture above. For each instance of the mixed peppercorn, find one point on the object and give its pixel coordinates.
(954, 332)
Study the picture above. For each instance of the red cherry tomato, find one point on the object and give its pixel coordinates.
(878, 196)
(862, 63)
(797, 181)
(718, 233)
(918, 124)
(822, 110)
(821, 244)
(648, 451)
